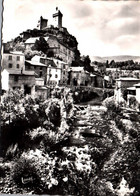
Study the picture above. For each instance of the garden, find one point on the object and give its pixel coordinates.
(39, 155)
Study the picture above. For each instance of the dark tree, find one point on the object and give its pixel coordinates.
(50, 54)
(41, 45)
(87, 61)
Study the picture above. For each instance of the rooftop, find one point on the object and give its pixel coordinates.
(137, 85)
(77, 69)
(35, 63)
(131, 88)
(127, 79)
(32, 40)
(18, 72)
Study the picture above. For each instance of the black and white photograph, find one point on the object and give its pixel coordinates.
(70, 97)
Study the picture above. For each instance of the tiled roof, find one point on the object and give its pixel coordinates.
(131, 88)
(35, 63)
(17, 53)
(128, 79)
(77, 69)
(56, 60)
(40, 79)
(32, 40)
(18, 72)
(92, 75)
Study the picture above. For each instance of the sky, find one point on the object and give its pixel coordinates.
(102, 28)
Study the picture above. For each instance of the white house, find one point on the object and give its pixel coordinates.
(15, 79)
(134, 91)
(53, 75)
(121, 86)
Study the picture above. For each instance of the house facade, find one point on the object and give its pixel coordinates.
(79, 77)
(53, 71)
(134, 92)
(15, 79)
(122, 84)
(13, 61)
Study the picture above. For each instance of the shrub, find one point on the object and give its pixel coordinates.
(132, 102)
(25, 168)
(2, 171)
(112, 107)
(53, 111)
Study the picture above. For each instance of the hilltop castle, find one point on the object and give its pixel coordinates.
(62, 44)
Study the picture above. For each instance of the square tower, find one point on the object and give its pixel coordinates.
(57, 17)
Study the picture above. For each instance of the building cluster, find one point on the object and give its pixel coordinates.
(40, 73)
(115, 73)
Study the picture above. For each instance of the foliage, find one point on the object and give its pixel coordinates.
(50, 54)
(19, 47)
(24, 168)
(112, 107)
(86, 62)
(123, 65)
(133, 103)
(45, 160)
(31, 53)
(41, 45)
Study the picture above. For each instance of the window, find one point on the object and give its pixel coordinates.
(10, 57)
(56, 76)
(50, 75)
(16, 78)
(42, 60)
(17, 66)
(64, 66)
(10, 65)
(18, 58)
(40, 68)
(40, 75)
(34, 67)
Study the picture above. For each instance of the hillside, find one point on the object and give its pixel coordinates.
(115, 58)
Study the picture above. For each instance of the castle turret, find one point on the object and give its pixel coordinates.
(57, 18)
(42, 23)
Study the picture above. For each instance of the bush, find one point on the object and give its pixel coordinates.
(2, 171)
(25, 168)
(112, 107)
(132, 102)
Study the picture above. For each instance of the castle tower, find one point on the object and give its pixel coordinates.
(57, 17)
(42, 23)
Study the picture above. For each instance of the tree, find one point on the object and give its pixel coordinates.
(41, 45)
(29, 54)
(50, 54)
(87, 61)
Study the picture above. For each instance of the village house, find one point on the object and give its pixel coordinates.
(18, 79)
(134, 92)
(35, 65)
(13, 60)
(53, 71)
(122, 84)
(79, 77)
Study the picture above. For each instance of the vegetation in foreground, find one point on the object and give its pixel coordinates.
(40, 157)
